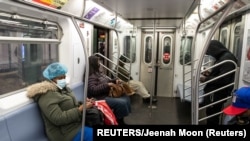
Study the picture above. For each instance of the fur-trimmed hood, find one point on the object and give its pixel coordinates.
(37, 89)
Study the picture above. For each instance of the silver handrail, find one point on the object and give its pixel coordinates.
(225, 9)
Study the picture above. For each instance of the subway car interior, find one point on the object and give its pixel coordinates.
(164, 43)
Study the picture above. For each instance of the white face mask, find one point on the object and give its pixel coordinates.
(61, 83)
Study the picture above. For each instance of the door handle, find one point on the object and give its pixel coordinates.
(158, 64)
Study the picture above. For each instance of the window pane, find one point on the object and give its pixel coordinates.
(237, 47)
(21, 64)
(24, 28)
(224, 37)
(148, 50)
(185, 54)
(129, 48)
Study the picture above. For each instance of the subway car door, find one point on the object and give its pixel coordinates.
(157, 59)
(101, 45)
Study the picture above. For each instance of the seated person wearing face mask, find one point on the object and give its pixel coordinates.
(99, 86)
(240, 107)
(61, 112)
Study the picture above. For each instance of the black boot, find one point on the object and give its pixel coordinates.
(154, 100)
(121, 121)
(147, 100)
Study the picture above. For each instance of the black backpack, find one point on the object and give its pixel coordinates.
(94, 117)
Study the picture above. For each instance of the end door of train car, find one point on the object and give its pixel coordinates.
(157, 62)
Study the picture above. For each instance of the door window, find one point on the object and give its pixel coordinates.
(166, 50)
(148, 49)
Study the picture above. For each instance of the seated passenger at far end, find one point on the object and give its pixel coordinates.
(137, 86)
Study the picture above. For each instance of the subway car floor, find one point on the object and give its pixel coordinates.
(167, 111)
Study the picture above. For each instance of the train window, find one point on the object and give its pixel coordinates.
(236, 46)
(166, 50)
(223, 37)
(148, 49)
(34, 50)
(129, 48)
(27, 46)
(185, 54)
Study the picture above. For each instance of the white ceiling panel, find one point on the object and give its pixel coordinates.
(165, 13)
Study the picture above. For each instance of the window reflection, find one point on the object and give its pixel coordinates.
(21, 64)
(185, 54)
(129, 48)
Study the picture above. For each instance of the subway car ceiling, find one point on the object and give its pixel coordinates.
(136, 13)
(148, 13)
(166, 13)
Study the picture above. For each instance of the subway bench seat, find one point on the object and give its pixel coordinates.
(187, 96)
(25, 123)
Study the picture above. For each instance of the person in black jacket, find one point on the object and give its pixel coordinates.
(220, 53)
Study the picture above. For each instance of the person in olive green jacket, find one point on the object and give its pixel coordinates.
(61, 112)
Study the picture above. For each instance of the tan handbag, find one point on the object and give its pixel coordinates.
(118, 90)
(128, 90)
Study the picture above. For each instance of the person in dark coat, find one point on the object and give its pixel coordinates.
(99, 86)
(220, 53)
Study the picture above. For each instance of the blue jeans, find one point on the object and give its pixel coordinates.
(88, 134)
(121, 106)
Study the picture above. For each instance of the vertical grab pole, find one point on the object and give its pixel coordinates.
(153, 71)
(86, 74)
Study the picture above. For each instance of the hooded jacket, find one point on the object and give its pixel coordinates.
(220, 53)
(59, 110)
